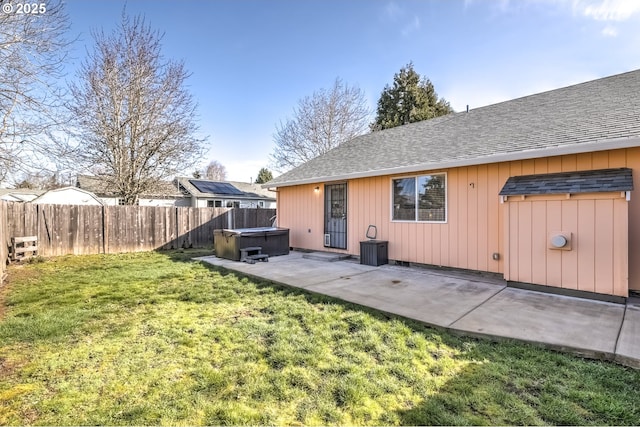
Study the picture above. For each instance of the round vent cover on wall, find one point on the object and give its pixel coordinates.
(558, 241)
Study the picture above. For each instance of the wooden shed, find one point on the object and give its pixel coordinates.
(569, 231)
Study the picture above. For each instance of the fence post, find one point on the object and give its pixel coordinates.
(104, 229)
(4, 247)
(176, 240)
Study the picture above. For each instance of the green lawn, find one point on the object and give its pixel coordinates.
(154, 338)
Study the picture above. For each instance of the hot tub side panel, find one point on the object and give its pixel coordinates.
(273, 242)
(225, 244)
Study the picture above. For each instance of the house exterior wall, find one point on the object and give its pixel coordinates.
(203, 203)
(475, 219)
(109, 201)
(182, 202)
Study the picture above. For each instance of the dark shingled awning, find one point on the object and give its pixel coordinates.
(595, 181)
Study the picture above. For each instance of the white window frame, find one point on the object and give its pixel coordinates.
(415, 177)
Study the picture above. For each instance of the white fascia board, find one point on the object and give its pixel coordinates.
(560, 150)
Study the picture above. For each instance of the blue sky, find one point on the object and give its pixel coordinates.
(251, 61)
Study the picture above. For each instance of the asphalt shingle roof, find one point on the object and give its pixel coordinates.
(579, 117)
(595, 181)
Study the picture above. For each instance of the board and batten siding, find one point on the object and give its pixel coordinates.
(474, 230)
(598, 259)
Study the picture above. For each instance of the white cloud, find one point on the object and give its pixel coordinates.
(499, 5)
(392, 11)
(397, 15)
(607, 10)
(599, 10)
(411, 26)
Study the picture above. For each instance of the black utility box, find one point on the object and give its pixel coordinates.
(374, 252)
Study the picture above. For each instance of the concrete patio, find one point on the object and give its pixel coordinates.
(465, 303)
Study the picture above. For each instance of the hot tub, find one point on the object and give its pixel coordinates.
(227, 243)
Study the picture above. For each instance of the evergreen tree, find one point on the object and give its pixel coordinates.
(264, 175)
(412, 98)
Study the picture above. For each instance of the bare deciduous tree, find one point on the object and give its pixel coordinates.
(321, 122)
(134, 116)
(215, 171)
(33, 50)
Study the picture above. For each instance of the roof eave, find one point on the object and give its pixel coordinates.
(585, 147)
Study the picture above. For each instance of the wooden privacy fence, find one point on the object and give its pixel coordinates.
(80, 230)
(4, 239)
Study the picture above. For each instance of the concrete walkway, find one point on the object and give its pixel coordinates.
(465, 303)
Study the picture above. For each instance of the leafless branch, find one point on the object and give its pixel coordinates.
(33, 51)
(321, 122)
(215, 171)
(136, 120)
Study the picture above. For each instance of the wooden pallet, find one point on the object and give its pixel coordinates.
(23, 248)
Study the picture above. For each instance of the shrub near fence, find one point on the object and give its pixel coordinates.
(79, 230)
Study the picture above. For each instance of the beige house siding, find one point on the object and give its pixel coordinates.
(475, 226)
(596, 225)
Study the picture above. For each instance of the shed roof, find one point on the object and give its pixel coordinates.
(51, 196)
(19, 194)
(594, 181)
(597, 115)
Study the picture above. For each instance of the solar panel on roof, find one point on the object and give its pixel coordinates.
(216, 187)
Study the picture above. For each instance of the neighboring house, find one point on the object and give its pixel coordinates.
(166, 194)
(226, 194)
(536, 189)
(68, 196)
(19, 195)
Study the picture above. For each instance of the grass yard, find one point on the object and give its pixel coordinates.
(154, 338)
